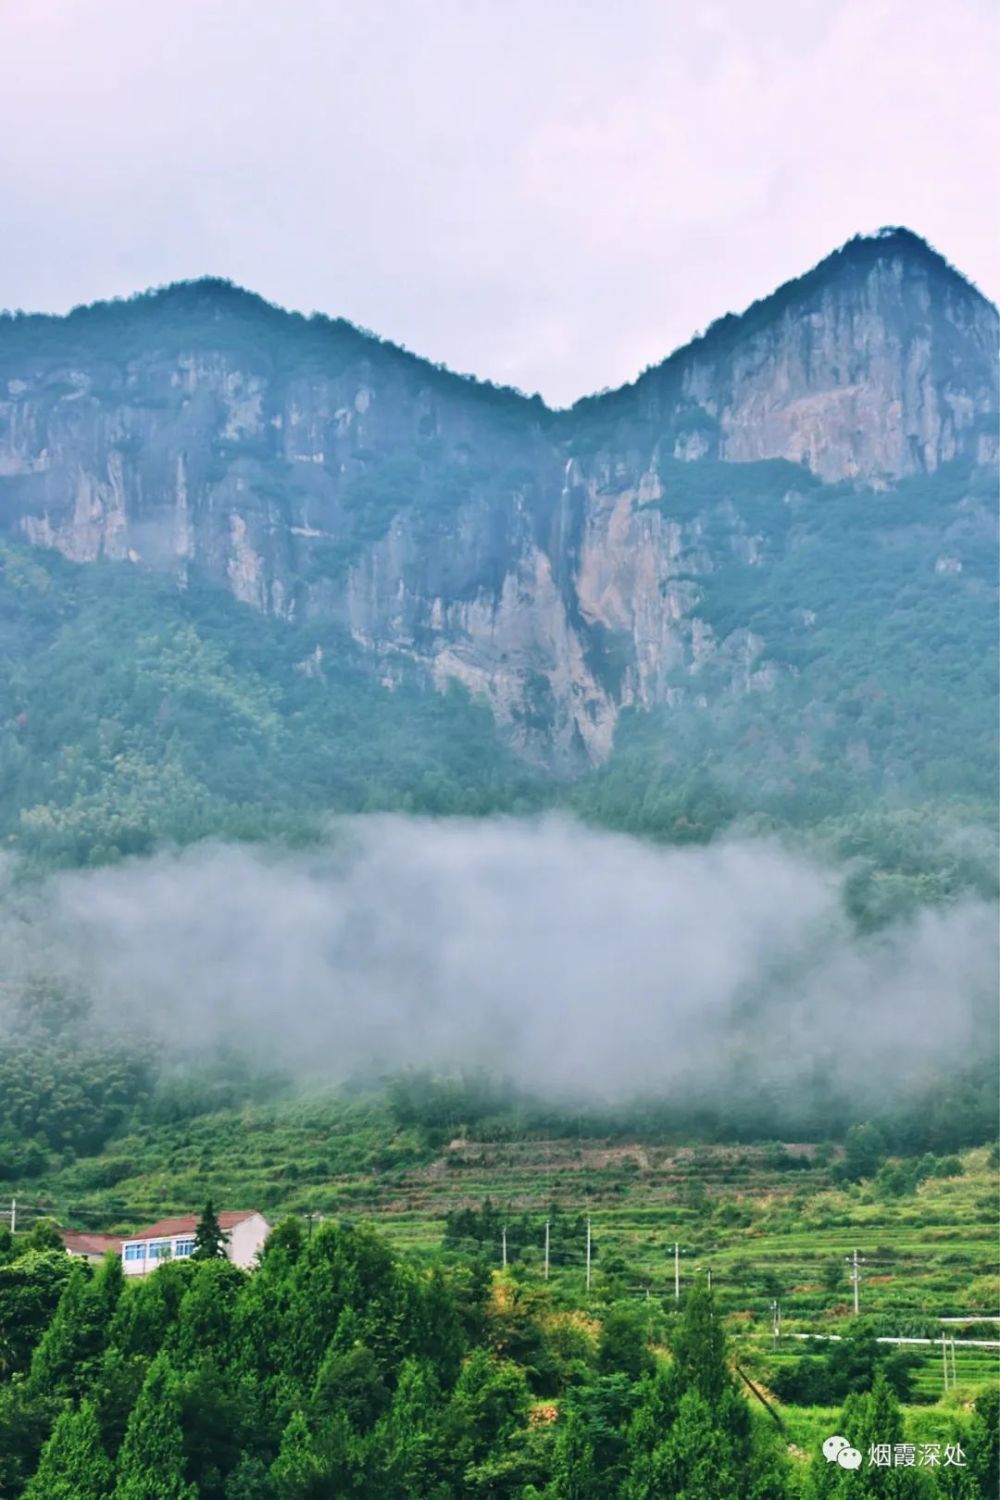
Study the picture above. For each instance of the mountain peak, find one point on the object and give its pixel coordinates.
(856, 257)
(845, 268)
(892, 241)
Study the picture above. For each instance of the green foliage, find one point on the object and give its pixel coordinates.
(864, 1153)
(63, 1085)
(73, 1465)
(140, 713)
(847, 1365)
(340, 1368)
(30, 1290)
(623, 1344)
(699, 1346)
(984, 1443)
(691, 1433)
(151, 1462)
(45, 1235)
(869, 1418)
(210, 1240)
(67, 1355)
(298, 1472)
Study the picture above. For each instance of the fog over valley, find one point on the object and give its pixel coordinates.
(574, 962)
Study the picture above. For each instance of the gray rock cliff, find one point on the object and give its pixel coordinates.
(550, 561)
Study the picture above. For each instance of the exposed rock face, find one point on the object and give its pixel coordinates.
(550, 561)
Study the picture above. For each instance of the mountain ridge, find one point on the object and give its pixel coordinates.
(564, 567)
(854, 251)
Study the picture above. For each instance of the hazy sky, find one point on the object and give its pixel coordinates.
(552, 193)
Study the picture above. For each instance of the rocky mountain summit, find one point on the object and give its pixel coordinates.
(562, 565)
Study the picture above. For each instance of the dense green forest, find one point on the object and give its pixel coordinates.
(340, 1369)
(141, 714)
(137, 713)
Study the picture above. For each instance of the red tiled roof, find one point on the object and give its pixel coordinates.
(79, 1243)
(165, 1229)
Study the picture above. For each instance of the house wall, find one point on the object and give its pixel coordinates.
(246, 1240)
(149, 1263)
(244, 1243)
(137, 1267)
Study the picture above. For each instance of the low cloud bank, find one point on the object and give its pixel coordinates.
(575, 962)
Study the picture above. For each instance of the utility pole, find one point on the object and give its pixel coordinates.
(13, 1215)
(588, 1253)
(944, 1358)
(546, 1272)
(776, 1320)
(677, 1272)
(954, 1372)
(856, 1260)
(503, 1247)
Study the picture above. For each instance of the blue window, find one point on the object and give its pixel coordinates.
(160, 1250)
(183, 1247)
(135, 1252)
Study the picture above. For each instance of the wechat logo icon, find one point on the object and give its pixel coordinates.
(837, 1450)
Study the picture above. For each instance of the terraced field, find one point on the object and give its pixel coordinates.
(767, 1221)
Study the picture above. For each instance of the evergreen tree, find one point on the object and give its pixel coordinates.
(873, 1417)
(408, 1441)
(350, 1383)
(211, 1419)
(30, 1288)
(151, 1461)
(984, 1443)
(622, 1344)
(74, 1465)
(250, 1480)
(205, 1316)
(297, 1472)
(695, 1439)
(144, 1318)
(595, 1419)
(489, 1401)
(66, 1357)
(210, 1239)
(695, 1460)
(864, 1153)
(699, 1346)
(658, 1397)
(575, 1474)
(27, 1416)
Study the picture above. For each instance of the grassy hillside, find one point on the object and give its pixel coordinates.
(763, 1216)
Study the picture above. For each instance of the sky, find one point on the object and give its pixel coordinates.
(552, 194)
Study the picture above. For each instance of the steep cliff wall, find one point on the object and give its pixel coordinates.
(551, 562)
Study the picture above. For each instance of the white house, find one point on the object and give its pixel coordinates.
(173, 1239)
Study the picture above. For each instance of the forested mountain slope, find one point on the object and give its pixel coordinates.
(770, 526)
